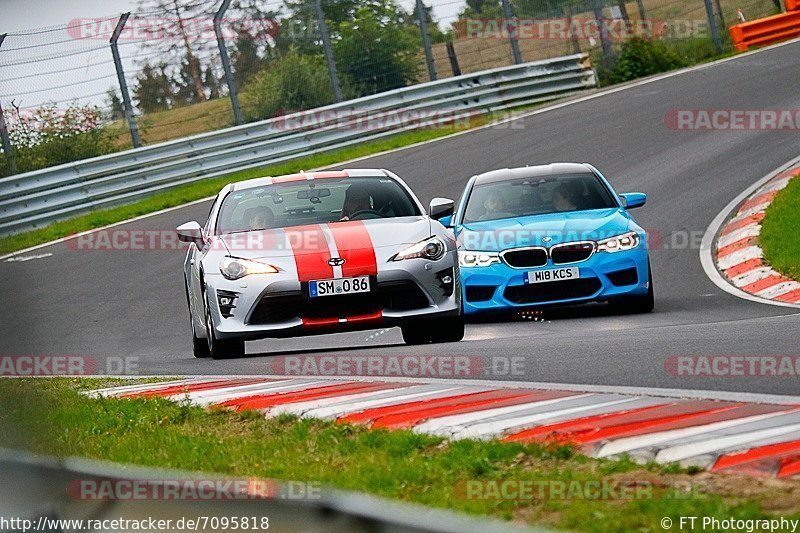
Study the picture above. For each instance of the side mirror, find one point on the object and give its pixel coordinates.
(441, 207)
(190, 232)
(632, 200)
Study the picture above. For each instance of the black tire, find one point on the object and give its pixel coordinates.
(434, 331)
(221, 348)
(637, 304)
(199, 346)
(415, 333)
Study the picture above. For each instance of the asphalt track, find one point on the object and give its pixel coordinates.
(131, 303)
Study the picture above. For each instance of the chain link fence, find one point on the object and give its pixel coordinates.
(173, 68)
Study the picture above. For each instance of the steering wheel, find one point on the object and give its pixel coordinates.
(370, 213)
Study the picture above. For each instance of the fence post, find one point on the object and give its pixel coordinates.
(648, 30)
(226, 62)
(605, 41)
(123, 85)
(512, 33)
(712, 23)
(6, 140)
(326, 43)
(576, 45)
(451, 55)
(426, 40)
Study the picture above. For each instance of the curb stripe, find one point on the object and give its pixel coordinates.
(593, 429)
(719, 434)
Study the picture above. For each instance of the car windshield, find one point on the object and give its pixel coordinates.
(319, 201)
(536, 196)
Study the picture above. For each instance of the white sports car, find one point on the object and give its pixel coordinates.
(320, 252)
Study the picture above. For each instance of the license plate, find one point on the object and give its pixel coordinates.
(554, 274)
(333, 287)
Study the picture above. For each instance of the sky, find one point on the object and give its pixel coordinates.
(30, 80)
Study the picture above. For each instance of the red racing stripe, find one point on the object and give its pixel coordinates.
(791, 297)
(355, 247)
(194, 387)
(408, 414)
(289, 178)
(265, 401)
(330, 174)
(763, 459)
(311, 252)
(736, 246)
(741, 268)
(611, 425)
(789, 468)
(739, 224)
(764, 283)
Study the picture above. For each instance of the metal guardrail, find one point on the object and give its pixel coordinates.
(35, 199)
(47, 492)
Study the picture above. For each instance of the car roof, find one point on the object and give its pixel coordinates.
(535, 171)
(345, 173)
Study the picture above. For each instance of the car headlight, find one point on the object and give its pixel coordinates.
(235, 268)
(432, 248)
(477, 259)
(620, 243)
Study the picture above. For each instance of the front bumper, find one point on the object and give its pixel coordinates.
(603, 276)
(274, 306)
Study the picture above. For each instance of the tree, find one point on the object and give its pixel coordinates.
(153, 90)
(245, 59)
(379, 49)
(183, 39)
(116, 109)
(435, 33)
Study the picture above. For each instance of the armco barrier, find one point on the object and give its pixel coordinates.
(38, 198)
(766, 31)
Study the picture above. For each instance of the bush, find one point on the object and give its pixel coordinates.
(642, 57)
(45, 137)
(292, 83)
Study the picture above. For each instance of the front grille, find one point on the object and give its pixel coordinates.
(571, 252)
(628, 276)
(525, 257)
(553, 290)
(480, 293)
(390, 296)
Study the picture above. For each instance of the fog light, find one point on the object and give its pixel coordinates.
(227, 302)
(445, 278)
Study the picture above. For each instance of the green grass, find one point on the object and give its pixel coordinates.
(779, 231)
(210, 187)
(50, 417)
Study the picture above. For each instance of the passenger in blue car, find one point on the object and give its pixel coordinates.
(567, 196)
(495, 207)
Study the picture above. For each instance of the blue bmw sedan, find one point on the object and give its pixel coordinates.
(552, 234)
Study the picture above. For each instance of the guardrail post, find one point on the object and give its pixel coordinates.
(123, 85)
(605, 40)
(8, 150)
(426, 40)
(712, 23)
(226, 62)
(326, 43)
(511, 27)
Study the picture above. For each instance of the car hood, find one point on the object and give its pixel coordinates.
(388, 233)
(498, 235)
